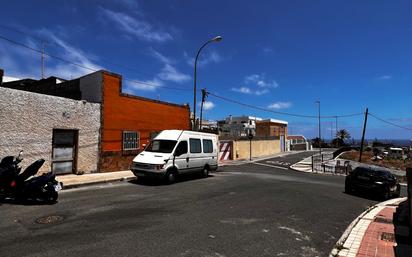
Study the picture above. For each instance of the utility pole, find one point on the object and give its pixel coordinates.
(331, 131)
(336, 117)
(204, 95)
(363, 135)
(319, 133)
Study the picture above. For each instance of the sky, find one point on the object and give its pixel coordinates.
(279, 56)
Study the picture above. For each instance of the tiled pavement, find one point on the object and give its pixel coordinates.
(374, 234)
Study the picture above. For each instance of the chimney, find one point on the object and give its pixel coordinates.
(230, 119)
(1, 76)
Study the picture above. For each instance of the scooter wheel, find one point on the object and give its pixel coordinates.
(51, 196)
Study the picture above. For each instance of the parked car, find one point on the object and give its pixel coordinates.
(175, 152)
(375, 181)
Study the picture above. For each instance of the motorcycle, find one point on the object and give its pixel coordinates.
(23, 186)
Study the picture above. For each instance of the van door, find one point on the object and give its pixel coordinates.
(182, 157)
(195, 154)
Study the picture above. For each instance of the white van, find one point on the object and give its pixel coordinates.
(175, 152)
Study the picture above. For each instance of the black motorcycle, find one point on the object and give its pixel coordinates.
(23, 186)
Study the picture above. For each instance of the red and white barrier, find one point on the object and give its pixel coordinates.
(225, 150)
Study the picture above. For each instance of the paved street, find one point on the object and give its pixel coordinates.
(287, 160)
(246, 210)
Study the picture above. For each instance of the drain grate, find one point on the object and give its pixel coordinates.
(390, 237)
(51, 219)
(383, 220)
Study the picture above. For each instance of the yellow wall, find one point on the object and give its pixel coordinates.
(259, 148)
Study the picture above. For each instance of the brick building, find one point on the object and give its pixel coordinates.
(126, 122)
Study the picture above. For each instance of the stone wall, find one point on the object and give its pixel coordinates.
(259, 148)
(27, 121)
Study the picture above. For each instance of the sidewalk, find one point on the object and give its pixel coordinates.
(379, 231)
(72, 180)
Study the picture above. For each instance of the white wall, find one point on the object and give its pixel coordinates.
(27, 121)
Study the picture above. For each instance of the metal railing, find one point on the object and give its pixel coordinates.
(321, 163)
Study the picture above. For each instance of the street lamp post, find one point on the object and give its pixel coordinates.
(319, 134)
(215, 39)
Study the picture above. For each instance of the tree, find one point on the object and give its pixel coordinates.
(341, 136)
(316, 142)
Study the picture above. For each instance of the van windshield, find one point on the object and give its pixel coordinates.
(161, 146)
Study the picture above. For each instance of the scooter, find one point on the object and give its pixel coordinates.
(20, 187)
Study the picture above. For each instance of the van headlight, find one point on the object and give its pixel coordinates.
(158, 166)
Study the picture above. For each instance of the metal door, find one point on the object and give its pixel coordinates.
(64, 151)
(282, 143)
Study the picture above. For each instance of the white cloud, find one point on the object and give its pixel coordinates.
(160, 57)
(207, 105)
(247, 90)
(74, 55)
(147, 85)
(280, 105)
(24, 63)
(260, 81)
(140, 29)
(170, 73)
(205, 58)
(384, 77)
(243, 90)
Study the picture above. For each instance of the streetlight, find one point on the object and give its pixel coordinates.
(215, 39)
(319, 135)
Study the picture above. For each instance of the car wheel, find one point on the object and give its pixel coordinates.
(397, 192)
(348, 188)
(386, 194)
(205, 172)
(171, 177)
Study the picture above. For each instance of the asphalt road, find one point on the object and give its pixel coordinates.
(246, 210)
(287, 160)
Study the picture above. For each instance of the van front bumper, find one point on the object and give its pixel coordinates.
(147, 173)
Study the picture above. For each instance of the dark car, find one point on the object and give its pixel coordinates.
(374, 181)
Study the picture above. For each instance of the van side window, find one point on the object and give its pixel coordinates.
(195, 146)
(207, 146)
(181, 148)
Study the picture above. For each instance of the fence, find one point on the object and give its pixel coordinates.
(323, 163)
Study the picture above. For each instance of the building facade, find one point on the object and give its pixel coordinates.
(120, 125)
(62, 131)
(240, 126)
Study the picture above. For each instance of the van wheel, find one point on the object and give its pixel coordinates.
(171, 177)
(205, 172)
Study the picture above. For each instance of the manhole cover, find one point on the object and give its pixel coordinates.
(52, 219)
(383, 220)
(390, 237)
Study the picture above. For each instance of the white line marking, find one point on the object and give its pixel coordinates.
(273, 166)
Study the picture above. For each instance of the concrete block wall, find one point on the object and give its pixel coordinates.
(27, 121)
(259, 148)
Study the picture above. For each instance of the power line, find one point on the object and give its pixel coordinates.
(83, 66)
(390, 123)
(282, 113)
(42, 40)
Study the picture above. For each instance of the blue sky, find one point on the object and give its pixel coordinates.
(279, 55)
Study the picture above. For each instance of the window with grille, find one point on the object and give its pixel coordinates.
(131, 140)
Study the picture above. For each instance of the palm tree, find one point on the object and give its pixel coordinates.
(341, 136)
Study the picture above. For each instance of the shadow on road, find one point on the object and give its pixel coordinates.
(25, 202)
(160, 182)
